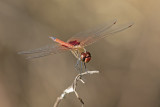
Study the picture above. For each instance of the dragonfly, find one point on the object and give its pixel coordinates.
(77, 43)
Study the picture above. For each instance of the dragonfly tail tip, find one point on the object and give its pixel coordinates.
(53, 38)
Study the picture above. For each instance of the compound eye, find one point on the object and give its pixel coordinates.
(88, 54)
(83, 56)
(87, 59)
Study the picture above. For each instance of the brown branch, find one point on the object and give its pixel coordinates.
(73, 87)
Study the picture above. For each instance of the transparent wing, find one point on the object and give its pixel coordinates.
(39, 55)
(89, 37)
(83, 35)
(45, 51)
(94, 38)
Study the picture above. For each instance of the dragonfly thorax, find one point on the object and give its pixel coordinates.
(80, 53)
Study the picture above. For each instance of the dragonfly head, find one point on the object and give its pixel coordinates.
(85, 57)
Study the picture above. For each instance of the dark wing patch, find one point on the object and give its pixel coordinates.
(75, 42)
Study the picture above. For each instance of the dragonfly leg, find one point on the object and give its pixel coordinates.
(77, 66)
(81, 66)
(85, 68)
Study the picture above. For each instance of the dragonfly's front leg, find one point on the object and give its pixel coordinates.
(77, 66)
(81, 67)
(85, 68)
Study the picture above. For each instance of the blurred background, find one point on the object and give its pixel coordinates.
(128, 62)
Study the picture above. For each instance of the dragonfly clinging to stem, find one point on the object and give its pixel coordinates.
(77, 43)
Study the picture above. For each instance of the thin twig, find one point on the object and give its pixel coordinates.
(73, 87)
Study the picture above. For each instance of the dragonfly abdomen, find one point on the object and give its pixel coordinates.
(65, 44)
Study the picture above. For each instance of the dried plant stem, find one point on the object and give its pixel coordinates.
(73, 87)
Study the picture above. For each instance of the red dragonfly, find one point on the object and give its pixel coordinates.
(76, 44)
